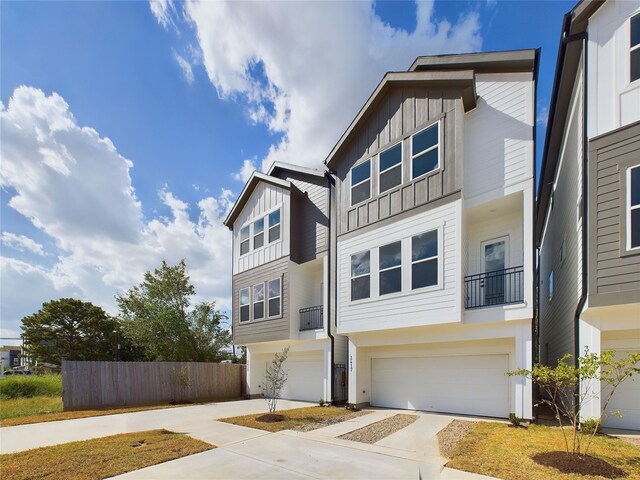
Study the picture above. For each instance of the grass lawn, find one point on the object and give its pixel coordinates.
(100, 457)
(294, 418)
(497, 450)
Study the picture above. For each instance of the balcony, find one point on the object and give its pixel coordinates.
(499, 287)
(311, 318)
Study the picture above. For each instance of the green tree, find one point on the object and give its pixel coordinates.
(157, 317)
(70, 329)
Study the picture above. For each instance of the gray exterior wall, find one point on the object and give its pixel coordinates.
(262, 330)
(614, 272)
(400, 113)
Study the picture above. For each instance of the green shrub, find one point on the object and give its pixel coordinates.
(515, 420)
(31, 386)
(591, 426)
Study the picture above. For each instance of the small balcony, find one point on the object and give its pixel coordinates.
(311, 318)
(499, 287)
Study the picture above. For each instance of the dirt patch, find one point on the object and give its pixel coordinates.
(450, 435)
(632, 440)
(329, 421)
(379, 430)
(270, 418)
(581, 464)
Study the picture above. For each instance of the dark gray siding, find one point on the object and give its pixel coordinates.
(402, 112)
(614, 272)
(262, 330)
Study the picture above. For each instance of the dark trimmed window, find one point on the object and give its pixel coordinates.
(361, 182)
(424, 260)
(633, 219)
(244, 240)
(390, 271)
(244, 305)
(634, 48)
(425, 151)
(360, 275)
(274, 226)
(275, 294)
(390, 167)
(258, 233)
(258, 301)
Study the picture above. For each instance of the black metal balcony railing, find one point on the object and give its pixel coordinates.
(311, 318)
(499, 287)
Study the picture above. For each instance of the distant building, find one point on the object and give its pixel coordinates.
(10, 357)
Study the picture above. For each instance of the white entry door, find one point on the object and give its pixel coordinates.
(494, 263)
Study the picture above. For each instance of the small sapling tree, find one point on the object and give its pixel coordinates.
(275, 379)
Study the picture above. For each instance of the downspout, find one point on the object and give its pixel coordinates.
(330, 182)
(535, 352)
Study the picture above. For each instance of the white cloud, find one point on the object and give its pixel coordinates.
(185, 66)
(248, 167)
(162, 10)
(543, 117)
(75, 186)
(21, 243)
(305, 68)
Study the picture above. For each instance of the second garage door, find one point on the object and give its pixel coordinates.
(625, 400)
(466, 384)
(306, 377)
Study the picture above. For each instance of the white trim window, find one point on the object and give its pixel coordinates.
(425, 150)
(550, 285)
(633, 207)
(258, 301)
(390, 268)
(244, 240)
(275, 296)
(245, 308)
(634, 48)
(258, 233)
(274, 226)
(424, 260)
(361, 182)
(361, 275)
(390, 168)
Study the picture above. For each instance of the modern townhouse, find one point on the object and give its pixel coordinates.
(588, 219)
(280, 226)
(433, 235)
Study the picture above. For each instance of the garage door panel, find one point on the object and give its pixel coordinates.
(456, 384)
(306, 377)
(625, 400)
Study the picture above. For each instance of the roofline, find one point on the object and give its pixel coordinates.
(481, 62)
(256, 177)
(295, 168)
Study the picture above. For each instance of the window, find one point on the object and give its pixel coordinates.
(425, 156)
(274, 297)
(244, 240)
(390, 167)
(424, 260)
(361, 182)
(550, 286)
(258, 301)
(634, 48)
(563, 253)
(390, 268)
(274, 226)
(258, 233)
(244, 305)
(360, 278)
(633, 212)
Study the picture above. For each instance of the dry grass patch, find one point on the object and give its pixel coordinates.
(497, 450)
(100, 457)
(293, 418)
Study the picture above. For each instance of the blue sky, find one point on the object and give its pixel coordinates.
(191, 97)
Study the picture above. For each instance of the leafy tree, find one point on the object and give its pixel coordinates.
(567, 387)
(70, 329)
(157, 317)
(275, 379)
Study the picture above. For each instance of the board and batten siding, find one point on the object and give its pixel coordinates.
(614, 272)
(563, 225)
(400, 113)
(264, 199)
(424, 307)
(262, 330)
(498, 145)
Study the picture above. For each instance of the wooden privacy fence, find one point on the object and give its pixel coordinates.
(100, 384)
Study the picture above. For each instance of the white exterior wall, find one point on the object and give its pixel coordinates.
(264, 199)
(498, 144)
(305, 287)
(428, 306)
(613, 101)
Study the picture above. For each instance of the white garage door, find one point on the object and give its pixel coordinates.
(625, 400)
(467, 384)
(306, 377)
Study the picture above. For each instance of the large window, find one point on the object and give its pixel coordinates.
(274, 226)
(244, 305)
(633, 215)
(361, 182)
(258, 233)
(360, 275)
(550, 285)
(390, 167)
(244, 240)
(258, 301)
(425, 151)
(390, 272)
(275, 294)
(634, 48)
(424, 260)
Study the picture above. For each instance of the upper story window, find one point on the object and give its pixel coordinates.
(634, 48)
(274, 226)
(361, 182)
(258, 233)
(244, 240)
(633, 210)
(390, 167)
(425, 151)
(244, 305)
(258, 301)
(390, 268)
(550, 285)
(424, 260)
(275, 294)
(360, 275)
